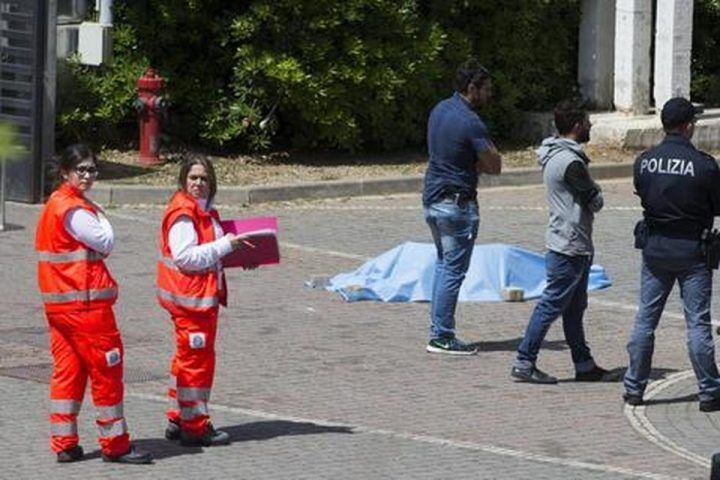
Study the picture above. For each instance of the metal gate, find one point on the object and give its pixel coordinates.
(27, 89)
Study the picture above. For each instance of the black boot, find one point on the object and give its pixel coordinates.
(172, 431)
(132, 457)
(70, 455)
(597, 374)
(211, 438)
(710, 405)
(715, 469)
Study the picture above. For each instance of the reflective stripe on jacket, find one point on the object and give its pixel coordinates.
(183, 292)
(70, 275)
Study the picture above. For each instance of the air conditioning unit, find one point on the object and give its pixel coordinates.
(94, 43)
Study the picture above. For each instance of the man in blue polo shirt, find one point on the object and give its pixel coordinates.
(460, 149)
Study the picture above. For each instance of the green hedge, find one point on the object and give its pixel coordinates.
(705, 69)
(347, 75)
(344, 75)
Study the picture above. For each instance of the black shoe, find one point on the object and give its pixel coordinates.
(172, 431)
(597, 374)
(70, 455)
(715, 468)
(531, 375)
(211, 438)
(710, 405)
(131, 457)
(632, 400)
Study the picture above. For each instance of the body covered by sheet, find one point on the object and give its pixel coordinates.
(405, 274)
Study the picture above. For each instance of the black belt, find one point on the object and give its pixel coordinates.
(458, 198)
(691, 232)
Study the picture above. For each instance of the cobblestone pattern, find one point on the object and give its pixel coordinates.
(261, 449)
(298, 352)
(674, 413)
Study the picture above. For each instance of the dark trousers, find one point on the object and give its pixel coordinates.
(566, 295)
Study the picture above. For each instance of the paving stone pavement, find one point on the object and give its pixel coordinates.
(312, 387)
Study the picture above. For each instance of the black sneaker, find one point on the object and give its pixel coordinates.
(597, 374)
(632, 400)
(450, 346)
(531, 375)
(211, 438)
(172, 431)
(132, 456)
(70, 455)
(710, 405)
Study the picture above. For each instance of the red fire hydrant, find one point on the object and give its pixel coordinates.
(150, 106)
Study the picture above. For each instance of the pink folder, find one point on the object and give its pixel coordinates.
(261, 232)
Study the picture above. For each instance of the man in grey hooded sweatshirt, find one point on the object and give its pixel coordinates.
(573, 198)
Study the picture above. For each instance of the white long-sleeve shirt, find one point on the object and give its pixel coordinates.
(186, 252)
(92, 230)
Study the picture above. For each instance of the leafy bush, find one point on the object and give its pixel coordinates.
(344, 75)
(348, 75)
(705, 60)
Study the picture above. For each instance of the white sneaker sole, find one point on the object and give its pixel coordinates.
(431, 349)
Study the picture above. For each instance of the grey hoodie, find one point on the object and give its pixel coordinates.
(569, 228)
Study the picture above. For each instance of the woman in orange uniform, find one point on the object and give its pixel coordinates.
(191, 287)
(72, 240)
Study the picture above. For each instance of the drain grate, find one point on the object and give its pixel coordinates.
(141, 375)
(41, 373)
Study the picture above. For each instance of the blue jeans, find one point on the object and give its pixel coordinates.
(454, 228)
(656, 282)
(566, 295)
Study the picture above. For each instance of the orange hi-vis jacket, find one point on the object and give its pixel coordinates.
(71, 276)
(182, 292)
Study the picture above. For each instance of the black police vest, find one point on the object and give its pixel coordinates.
(674, 182)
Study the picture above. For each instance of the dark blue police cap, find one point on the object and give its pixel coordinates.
(677, 111)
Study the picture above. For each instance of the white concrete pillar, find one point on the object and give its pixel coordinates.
(596, 53)
(633, 22)
(673, 45)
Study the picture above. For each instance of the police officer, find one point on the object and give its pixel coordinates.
(679, 188)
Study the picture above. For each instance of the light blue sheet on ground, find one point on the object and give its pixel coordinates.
(405, 274)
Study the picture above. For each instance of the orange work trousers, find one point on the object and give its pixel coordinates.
(87, 344)
(192, 371)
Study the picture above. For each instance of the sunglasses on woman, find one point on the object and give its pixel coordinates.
(82, 170)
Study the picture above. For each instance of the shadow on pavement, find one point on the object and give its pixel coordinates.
(512, 344)
(692, 397)
(268, 429)
(159, 447)
(614, 375)
(115, 171)
(162, 448)
(658, 373)
(11, 227)
(254, 431)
